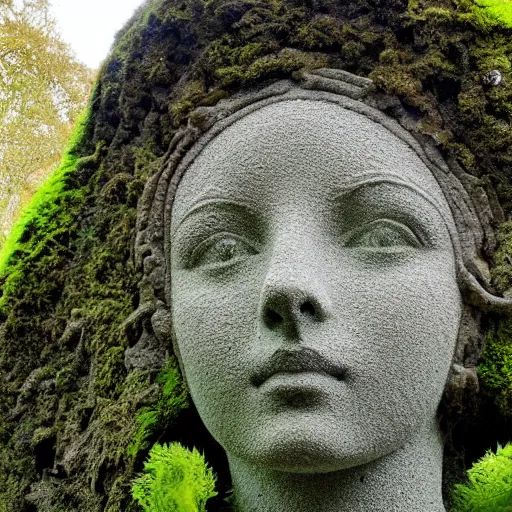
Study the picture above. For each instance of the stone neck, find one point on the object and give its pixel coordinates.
(406, 480)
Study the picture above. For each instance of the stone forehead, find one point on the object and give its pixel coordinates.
(303, 129)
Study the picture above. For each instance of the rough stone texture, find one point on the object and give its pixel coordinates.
(74, 436)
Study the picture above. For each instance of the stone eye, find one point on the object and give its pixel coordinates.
(223, 250)
(383, 234)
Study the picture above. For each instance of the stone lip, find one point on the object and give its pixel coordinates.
(294, 361)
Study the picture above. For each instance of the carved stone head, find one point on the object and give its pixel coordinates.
(320, 271)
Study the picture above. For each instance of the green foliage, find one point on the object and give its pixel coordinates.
(176, 480)
(46, 204)
(495, 368)
(490, 484)
(501, 10)
(44, 88)
(173, 398)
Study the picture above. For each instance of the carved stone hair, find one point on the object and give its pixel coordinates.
(473, 241)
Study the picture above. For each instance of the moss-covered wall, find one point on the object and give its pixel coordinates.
(77, 418)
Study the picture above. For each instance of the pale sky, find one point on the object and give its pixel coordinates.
(89, 26)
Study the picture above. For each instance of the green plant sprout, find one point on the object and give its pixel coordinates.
(490, 484)
(175, 480)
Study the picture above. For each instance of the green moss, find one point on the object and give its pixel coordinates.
(191, 96)
(501, 10)
(221, 53)
(321, 33)
(287, 61)
(42, 434)
(153, 420)
(473, 104)
(495, 368)
(66, 379)
(434, 16)
(47, 203)
(110, 372)
(397, 81)
(352, 51)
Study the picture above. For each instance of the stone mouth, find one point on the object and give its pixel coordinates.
(297, 361)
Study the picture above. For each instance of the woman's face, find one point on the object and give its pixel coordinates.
(314, 292)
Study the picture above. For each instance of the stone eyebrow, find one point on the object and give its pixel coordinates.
(368, 180)
(211, 201)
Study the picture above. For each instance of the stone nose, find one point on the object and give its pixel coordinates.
(292, 302)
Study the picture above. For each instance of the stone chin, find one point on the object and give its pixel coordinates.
(307, 447)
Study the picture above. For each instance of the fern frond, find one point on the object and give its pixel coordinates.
(175, 480)
(490, 484)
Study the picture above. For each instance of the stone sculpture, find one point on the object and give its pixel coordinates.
(323, 276)
(91, 288)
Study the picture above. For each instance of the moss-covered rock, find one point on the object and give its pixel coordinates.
(83, 399)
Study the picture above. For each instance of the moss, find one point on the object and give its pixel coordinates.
(282, 64)
(473, 104)
(496, 369)
(46, 204)
(392, 57)
(110, 372)
(397, 81)
(66, 379)
(42, 434)
(193, 92)
(500, 10)
(221, 53)
(156, 419)
(321, 33)
(352, 51)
